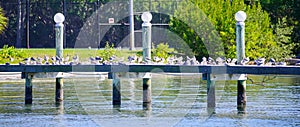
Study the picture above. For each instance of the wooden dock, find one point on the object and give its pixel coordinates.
(236, 69)
(209, 73)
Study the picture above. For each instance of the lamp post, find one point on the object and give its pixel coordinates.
(240, 17)
(146, 38)
(146, 35)
(59, 18)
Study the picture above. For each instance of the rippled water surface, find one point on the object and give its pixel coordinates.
(176, 101)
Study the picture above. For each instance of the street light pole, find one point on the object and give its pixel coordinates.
(131, 20)
(240, 17)
(59, 18)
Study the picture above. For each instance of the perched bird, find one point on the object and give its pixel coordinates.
(75, 59)
(39, 60)
(220, 61)
(204, 61)
(11, 59)
(27, 61)
(211, 61)
(32, 61)
(92, 60)
(46, 58)
(281, 64)
(297, 63)
(260, 61)
(194, 61)
(231, 62)
(245, 61)
(131, 59)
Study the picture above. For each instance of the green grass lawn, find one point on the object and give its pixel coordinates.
(83, 54)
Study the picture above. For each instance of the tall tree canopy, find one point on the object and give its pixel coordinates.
(259, 34)
(3, 20)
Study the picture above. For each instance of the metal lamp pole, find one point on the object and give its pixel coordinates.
(59, 18)
(240, 17)
(146, 35)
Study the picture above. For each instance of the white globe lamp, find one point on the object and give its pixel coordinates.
(147, 17)
(59, 18)
(240, 16)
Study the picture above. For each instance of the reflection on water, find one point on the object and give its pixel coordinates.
(176, 101)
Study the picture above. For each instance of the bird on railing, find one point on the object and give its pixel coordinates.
(98, 59)
(297, 63)
(245, 61)
(66, 59)
(220, 61)
(230, 62)
(271, 62)
(75, 59)
(281, 64)
(46, 58)
(39, 60)
(11, 59)
(92, 60)
(211, 61)
(131, 59)
(260, 61)
(194, 61)
(204, 61)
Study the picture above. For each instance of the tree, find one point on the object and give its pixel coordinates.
(288, 9)
(3, 20)
(259, 34)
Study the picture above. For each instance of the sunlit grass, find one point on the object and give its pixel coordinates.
(83, 54)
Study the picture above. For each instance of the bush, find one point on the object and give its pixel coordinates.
(108, 52)
(11, 52)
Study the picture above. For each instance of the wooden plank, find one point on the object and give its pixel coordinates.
(283, 70)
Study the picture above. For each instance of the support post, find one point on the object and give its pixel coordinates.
(241, 96)
(28, 88)
(211, 96)
(59, 92)
(147, 93)
(116, 91)
(240, 16)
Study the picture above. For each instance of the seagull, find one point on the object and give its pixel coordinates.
(11, 59)
(281, 64)
(39, 60)
(245, 61)
(194, 61)
(204, 61)
(220, 61)
(93, 60)
(33, 60)
(260, 61)
(75, 59)
(46, 58)
(271, 62)
(211, 61)
(298, 63)
(131, 59)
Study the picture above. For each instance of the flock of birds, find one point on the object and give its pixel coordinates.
(131, 60)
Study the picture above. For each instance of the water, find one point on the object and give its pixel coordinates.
(177, 101)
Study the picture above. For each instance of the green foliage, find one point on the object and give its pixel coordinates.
(3, 20)
(162, 50)
(7, 53)
(285, 44)
(108, 52)
(259, 35)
